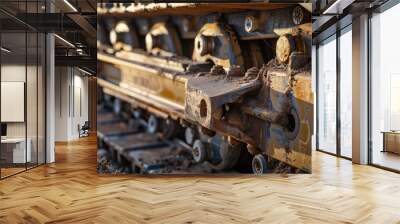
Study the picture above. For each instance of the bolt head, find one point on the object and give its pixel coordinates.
(250, 24)
(204, 44)
(153, 41)
(298, 15)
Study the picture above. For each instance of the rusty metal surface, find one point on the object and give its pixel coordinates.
(123, 36)
(249, 94)
(153, 84)
(159, 9)
(206, 96)
(284, 104)
(216, 42)
(279, 19)
(162, 39)
(290, 94)
(178, 65)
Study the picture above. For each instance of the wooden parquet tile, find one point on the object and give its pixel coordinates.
(70, 191)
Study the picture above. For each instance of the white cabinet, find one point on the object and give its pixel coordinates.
(18, 149)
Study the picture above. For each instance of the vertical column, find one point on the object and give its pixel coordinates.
(360, 90)
(50, 99)
(314, 90)
(50, 92)
(92, 102)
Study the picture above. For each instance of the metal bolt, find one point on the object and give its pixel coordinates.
(204, 44)
(153, 41)
(297, 15)
(250, 24)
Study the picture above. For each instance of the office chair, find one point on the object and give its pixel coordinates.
(84, 130)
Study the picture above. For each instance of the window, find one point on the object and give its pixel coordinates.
(385, 89)
(346, 92)
(335, 108)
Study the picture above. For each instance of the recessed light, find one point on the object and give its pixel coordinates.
(70, 5)
(86, 72)
(5, 50)
(64, 40)
(337, 7)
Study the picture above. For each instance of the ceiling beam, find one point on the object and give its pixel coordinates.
(76, 61)
(84, 24)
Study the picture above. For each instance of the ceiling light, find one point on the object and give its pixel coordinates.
(337, 7)
(84, 71)
(70, 5)
(79, 51)
(64, 40)
(5, 50)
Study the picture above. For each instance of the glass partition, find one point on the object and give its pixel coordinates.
(22, 77)
(327, 96)
(15, 150)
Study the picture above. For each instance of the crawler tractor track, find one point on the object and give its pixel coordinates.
(132, 149)
(229, 81)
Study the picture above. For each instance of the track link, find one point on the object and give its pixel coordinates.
(127, 147)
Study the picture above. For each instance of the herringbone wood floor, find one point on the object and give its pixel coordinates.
(70, 191)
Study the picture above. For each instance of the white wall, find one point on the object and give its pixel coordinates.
(12, 73)
(15, 73)
(71, 102)
(61, 103)
(33, 127)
